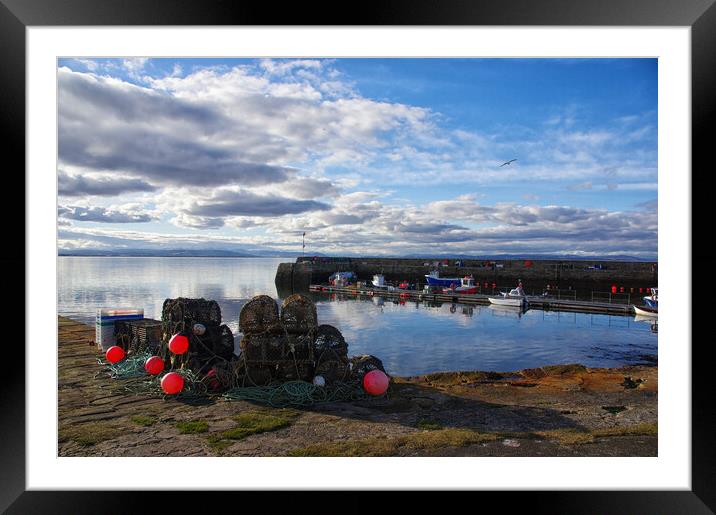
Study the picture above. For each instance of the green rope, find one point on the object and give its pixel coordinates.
(277, 395)
(297, 393)
(131, 366)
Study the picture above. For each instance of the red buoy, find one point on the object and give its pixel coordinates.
(375, 382)
(211, 380)
(172, 383)
(154, 365)
(179, 344)
(115, 354)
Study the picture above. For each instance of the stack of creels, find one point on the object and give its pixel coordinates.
(331, 354)
(199, 320)
(264, 344)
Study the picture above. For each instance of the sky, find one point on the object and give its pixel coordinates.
(365, 156)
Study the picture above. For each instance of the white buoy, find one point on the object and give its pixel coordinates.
(319, 381)
(198, 329)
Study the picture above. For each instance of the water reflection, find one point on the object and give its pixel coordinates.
(410, 337)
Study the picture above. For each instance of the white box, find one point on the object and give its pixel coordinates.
(104, 325)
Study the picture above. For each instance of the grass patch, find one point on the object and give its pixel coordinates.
(381, 446)
(143, 420)
(567, 436)
(89, 434)
(251, 423)
(645, 429)
(442, 438)
(217, 443)
(429, 424)
(575, 436)
(192, 426)
(254, 422)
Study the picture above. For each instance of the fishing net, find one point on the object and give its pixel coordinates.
(259, 315)
(298, 314)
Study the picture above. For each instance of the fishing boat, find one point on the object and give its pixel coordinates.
(434, 279)
(341, 278)
(467, 286)
(515, 298)
(652, 300)
(651, 305)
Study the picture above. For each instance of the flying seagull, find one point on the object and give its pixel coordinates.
(507, 162)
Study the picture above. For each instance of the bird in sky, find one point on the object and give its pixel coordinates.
(507, 162)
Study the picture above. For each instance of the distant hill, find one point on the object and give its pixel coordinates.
(176, 253)
(287, 254)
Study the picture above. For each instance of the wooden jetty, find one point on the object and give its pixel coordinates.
(535, 302)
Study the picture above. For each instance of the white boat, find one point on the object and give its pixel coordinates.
(379, 282)
(515, 298)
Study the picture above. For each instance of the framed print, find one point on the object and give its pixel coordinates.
(304, 222)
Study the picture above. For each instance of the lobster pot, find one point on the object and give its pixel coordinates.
(138, 335)
(329, 340)
(296, 371)
(299, 348)
(263, 349)
(105, 320)
(217, 341)
(259, 315)
(333, 368)
(361, 365)
(181, 314)
(298, 314)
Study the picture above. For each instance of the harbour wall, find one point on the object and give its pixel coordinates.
(536, 275)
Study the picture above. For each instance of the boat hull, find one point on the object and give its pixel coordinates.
(646, 311)
(461, 290)
(442, 281)
(502, 301)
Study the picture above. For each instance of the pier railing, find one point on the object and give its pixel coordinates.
(561, 294)
(611, 298)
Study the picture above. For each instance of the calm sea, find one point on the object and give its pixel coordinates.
(411, 338)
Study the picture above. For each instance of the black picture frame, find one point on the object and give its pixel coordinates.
(699, 15)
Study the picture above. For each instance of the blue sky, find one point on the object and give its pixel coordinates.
(378, 156)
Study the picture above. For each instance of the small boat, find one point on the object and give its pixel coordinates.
(341, 279)
(379, 281)
(467, 286)
(651, 305)
(516, 298)
(434, 279)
